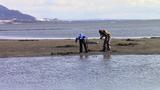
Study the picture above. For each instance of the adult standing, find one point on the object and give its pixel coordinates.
(82, 42)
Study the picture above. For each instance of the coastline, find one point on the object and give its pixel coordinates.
(63, 38)
(31, 48)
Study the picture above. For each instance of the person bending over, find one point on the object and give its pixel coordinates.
(107, 37)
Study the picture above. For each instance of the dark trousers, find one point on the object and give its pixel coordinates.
(81, 44)
(106, 42)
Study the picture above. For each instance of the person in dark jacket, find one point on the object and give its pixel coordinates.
(107, 36)
(82, 42)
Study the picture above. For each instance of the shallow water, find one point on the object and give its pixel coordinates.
(93, 72)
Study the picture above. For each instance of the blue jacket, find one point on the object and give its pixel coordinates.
(81, 37)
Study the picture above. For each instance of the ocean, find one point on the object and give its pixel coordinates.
(70, 29)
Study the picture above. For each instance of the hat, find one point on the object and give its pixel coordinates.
(104, 31)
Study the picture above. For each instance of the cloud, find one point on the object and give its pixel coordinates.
(65, 4)
(145, 2)
(84, 9)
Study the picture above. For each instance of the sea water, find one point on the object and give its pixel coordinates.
(81, 72)
(70, 29)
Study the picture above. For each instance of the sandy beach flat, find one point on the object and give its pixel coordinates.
(16, 48)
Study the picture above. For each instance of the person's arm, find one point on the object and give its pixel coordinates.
(101, 36)
(76, 39)
(85, 37)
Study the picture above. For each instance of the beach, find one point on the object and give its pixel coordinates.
(25, 48)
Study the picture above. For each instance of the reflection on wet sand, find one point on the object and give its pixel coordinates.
(107, 55)
(83, 56)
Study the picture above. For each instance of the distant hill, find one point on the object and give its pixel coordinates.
(7, 14)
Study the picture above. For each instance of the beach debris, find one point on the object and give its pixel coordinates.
(127, 44)
(66, 46)
(28, 40)
(155, 37)
(130, 39)
(63, 53)
(89, 42)
(52, 53)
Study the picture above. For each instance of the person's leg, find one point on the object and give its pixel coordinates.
(80, 46)
(108, 43)
(85, 46)
(104, 45)
(108, 46)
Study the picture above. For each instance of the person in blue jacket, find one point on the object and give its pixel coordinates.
(82, 42)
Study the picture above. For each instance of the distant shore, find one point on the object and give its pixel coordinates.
(25, 48)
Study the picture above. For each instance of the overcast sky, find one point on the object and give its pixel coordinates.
(87, 9)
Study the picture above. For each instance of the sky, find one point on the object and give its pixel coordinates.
(87, 9)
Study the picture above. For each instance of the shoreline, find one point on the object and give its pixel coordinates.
(60, 47)
(81, 55)
(63, 38)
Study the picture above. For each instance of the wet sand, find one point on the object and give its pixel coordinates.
(16, 48)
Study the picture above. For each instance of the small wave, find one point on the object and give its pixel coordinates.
(52, 38)
(28, 38)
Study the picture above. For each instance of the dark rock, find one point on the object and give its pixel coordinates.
(130, 40)
(66, 46)
(127, 44)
